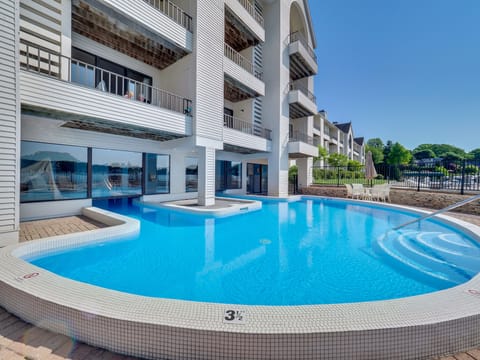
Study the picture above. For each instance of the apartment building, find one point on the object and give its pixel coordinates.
(155, 99)
(338, 138)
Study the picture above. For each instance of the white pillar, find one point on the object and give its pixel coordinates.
(304, 171)
(206, 176)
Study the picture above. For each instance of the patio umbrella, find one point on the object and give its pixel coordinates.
(370, 171)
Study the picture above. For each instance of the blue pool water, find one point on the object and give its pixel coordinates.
(306, 252)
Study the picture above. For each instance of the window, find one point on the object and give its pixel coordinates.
(116, 173)
(191, 174)
(228, 175)
(52, 172)
(157, 174)
(96, 72)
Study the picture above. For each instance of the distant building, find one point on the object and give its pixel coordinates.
(338, 138)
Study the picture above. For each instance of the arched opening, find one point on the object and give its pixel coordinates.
(297, 21)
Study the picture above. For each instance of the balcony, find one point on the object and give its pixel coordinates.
(302, 102)
(244, 24)
(301, 145)
(156, 32)
(243, 80)
(303, 61)
(244, 137)
(173, 12)
(90, 98)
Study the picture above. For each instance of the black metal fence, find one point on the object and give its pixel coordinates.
(454, 176)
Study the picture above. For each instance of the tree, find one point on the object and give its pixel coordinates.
(398, 155)
(375, 146)
(440, 149)
(322, 154)
(424, 154)
(337, 160)
(475, 154)
(354, 165)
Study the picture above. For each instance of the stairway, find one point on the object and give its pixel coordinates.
(438, 259)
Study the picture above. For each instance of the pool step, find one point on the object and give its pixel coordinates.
(443, 259)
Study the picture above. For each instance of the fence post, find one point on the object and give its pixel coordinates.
(338, 176)
(418, 181)
(462, 189)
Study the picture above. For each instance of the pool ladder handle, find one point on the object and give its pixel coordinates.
(453, 206)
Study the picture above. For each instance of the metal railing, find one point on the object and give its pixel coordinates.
(300, 136)
(295, 85)
(243, 62)
(298, 36)
(246, 127)
(173, 12)
(33, 58)
(447, 176)
(252, 10)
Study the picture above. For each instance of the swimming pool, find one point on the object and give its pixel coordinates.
(413, 327)
(306, 252)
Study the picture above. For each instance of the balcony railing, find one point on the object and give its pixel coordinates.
(295, 136)
(243, 62)
(45, 62)
(294, 85)
(252, 10)
(298, 36)
(173, 12)
(246, 127)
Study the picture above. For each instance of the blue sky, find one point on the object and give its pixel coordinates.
(406, 71)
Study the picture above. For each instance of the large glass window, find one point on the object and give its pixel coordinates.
(52, 172)
(157, 174)
(228, 175)
(116, 173)
(191, 174)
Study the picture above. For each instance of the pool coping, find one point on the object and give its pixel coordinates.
(242, 206)
(423, 319)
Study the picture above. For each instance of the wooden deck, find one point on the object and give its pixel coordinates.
(22, 341)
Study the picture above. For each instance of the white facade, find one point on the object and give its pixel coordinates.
(161, 100)
(338, 138)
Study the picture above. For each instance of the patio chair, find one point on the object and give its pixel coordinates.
(378, 192)
(358, 192)
(386, 194)
(349, 191)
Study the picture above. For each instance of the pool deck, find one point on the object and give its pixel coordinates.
(20, 340)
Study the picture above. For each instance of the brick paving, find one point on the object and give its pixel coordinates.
(22, 341)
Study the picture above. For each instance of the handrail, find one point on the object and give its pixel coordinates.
(252, 11)
(49, 63)
(300, 136)
(173, 11)
(242, 61)
(232, 122)
(453, 206)
(294, 85)
(298, 36)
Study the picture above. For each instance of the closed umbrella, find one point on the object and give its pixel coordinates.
(370, 171)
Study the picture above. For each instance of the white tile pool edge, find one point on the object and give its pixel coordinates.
(415, 327)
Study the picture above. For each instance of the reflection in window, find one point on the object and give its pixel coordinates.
(116, 173)
(191, 174)
(52, 172)
(228, 175)
(157, 174)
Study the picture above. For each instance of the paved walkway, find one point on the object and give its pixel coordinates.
(22, 341)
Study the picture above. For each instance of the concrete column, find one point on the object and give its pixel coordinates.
(206, 176)
(304, 171)
(277, 77)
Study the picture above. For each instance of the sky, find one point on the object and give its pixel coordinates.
(401, 70)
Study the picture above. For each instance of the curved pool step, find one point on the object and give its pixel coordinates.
(466, 256)
(408, 246)
(398, 257)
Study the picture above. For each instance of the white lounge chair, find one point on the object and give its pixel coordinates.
(349, 191)
(358, 192)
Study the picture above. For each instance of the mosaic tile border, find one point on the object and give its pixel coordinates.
(410, 328)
